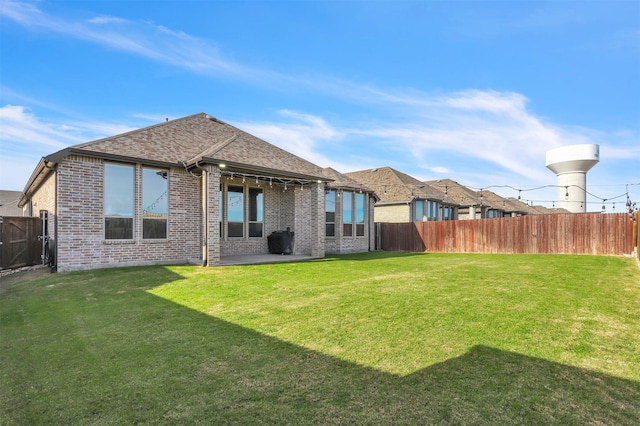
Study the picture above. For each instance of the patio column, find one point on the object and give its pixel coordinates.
(317, 220)
(211, 205)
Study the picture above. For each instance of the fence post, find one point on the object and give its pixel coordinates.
(636, 233)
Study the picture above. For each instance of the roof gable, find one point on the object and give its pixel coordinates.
(456, 192)
(393, 186)
(342, 181)
(198, 137)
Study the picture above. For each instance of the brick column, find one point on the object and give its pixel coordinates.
(317, 220)
(211, 204)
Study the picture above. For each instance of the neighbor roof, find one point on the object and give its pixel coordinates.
(498, 202)
(393, 186)
(342, 181)
(456, 192)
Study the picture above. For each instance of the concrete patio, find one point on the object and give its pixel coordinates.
(257, 259)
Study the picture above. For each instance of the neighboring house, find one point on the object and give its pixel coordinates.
(403, 198)
(502, 206)
(188, 190)
(553, 210)
(471, 204)
(9, 203)
(349, 211)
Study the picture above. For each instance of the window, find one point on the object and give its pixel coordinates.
(235, 211)
(360, 215)
(419, 210)
(118, 201)
(432, 210)
(446, 211)
(347, 214)
(256, 212)
(155, 203)
(330, 214)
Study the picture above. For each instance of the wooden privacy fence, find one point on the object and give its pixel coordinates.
(19, 242)
(586, 233)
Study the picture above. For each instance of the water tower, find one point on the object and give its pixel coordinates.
(571, 164)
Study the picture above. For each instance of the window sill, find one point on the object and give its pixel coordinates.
(116, 242)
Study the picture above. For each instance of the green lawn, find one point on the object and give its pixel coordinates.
(376, 338)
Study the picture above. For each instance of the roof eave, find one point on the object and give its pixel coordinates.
(231, 166)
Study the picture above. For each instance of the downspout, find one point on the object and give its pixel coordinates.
(205, 212)
(54, 169)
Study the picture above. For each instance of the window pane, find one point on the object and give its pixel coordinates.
(330, 205)
(360, 214)
(419, 208)
(235, 229)
(347, 230)
(330, 229)
(118, 228)
(255, 229)
(256, 211)
(154, 228)
(235, 204)
(235, 211)
(118, 201)
(359, 208)
(155, 202)
(347, 207)
(118, 190)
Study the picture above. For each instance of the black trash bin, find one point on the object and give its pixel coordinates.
(281, 242)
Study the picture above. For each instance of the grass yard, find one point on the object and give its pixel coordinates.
(375, 338)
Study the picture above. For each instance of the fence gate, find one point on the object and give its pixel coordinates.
(19, 242)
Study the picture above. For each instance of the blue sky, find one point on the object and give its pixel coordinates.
(474, 91)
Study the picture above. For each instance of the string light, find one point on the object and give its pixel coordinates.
(630, 205)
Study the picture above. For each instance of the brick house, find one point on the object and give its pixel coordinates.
(349, 210)
(403, 198)
(190, 190)
(473, 204)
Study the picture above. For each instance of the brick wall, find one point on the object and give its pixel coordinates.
(395, 213)
(81, 243)
(193, 230)
(44, 199)
(353, 244)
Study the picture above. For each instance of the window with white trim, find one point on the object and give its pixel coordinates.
(347, 214)
(256, 212)
(119, 201)
(155, 203)
(330, 214)
(235, 211)
(360, 215)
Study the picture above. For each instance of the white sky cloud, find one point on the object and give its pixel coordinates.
(484, 125)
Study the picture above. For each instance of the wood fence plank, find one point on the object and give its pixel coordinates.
(583, 233)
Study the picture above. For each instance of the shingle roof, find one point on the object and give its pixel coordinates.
(393, 186)
(199, 137)
(340, 180)
(496, 201)
(456, 192)
(523, 206)
(546, 210)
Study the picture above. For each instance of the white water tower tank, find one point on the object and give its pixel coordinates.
(571, 164)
